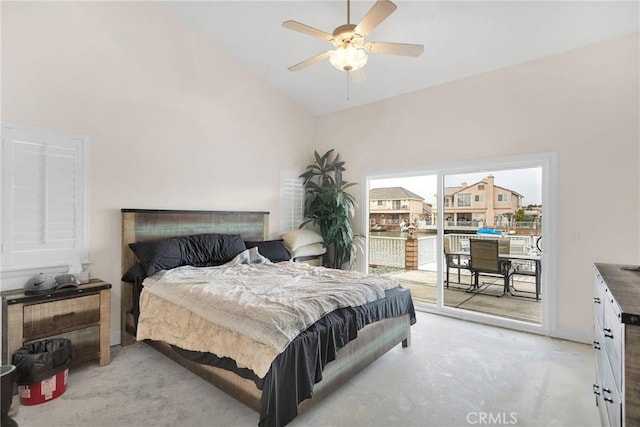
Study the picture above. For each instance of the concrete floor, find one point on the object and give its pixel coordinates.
(455, 373)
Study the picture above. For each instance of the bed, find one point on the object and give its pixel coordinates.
(379, 325)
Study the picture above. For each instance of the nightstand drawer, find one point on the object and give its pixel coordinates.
(46, 318)
(86, 343)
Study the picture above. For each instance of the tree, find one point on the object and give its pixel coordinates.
(330, 208)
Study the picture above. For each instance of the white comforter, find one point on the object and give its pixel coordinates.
(249, 312)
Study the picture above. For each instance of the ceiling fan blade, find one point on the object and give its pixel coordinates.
(307, 62)
(297, 26)
(378, 13)
(404, 49)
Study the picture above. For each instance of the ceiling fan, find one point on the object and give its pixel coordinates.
(350, 51)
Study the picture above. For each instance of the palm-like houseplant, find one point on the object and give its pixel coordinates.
(330, 208)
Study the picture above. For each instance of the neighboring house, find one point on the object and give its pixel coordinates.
(532, 217)
(394, 208)
(482, 204)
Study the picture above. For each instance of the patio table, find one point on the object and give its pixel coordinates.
(537, 261)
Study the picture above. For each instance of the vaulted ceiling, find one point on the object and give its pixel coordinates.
(460, 39)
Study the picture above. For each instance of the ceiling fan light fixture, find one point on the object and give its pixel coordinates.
(351, 49)
(348, 58)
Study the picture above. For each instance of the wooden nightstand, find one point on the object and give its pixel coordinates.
(80, 314)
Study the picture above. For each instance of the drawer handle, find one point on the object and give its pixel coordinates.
(597, 300)
(606, 390)
(596, 345)
(608, 399)
(607, 333)
(61, 316)
(596, 389)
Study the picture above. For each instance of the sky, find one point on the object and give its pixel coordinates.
(527, 182)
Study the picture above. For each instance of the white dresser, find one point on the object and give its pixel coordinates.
(617, 345)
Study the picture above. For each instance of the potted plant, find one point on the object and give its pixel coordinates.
(330, 208)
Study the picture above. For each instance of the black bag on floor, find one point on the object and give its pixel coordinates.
(40, 360)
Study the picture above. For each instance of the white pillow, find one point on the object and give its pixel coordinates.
(313, 249)
(294, 239)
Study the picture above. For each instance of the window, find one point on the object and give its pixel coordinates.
(503, 197)
(43, 198)
(447, 202)
(291, 200)
(464, 200)
(396, 204)
(382, 203)
(479, 198)
(480, 187)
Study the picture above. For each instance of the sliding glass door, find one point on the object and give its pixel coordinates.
(403, 233)
(422, 227)
(501, 206)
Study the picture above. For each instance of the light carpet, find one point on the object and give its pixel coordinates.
(454, 374)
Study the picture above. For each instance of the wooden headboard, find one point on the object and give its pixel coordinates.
(150, 224)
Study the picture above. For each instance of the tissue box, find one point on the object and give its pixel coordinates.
(83, 277)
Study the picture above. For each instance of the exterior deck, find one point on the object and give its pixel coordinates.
(412, 260)
(521, 306)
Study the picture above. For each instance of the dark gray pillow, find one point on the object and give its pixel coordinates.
(275, 250)
(135, 274)
(199, 250)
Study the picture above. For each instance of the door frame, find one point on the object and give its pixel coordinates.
(548, 162)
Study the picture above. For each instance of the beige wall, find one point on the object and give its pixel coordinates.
(583, 105)
(174, 123)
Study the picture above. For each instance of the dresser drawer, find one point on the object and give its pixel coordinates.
(612, 334)
(597, 386)
(50, 317)
(598, 298)
(609, 395)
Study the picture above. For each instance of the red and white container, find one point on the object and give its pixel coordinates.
(45, 390)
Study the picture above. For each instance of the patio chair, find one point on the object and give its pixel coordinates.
(530, 268)
(504, 246)
(454, 260)
(484, 259)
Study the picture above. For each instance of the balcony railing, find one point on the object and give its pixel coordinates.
(388, 251)
(517, 244)
(392, 251)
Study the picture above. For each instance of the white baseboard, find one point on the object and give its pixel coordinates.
(114, 339)
(572, 334)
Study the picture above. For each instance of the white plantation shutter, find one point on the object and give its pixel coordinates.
(43, 197)
(291, 200)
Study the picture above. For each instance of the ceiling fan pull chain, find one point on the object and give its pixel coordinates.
(348, 11)
(348, 73)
